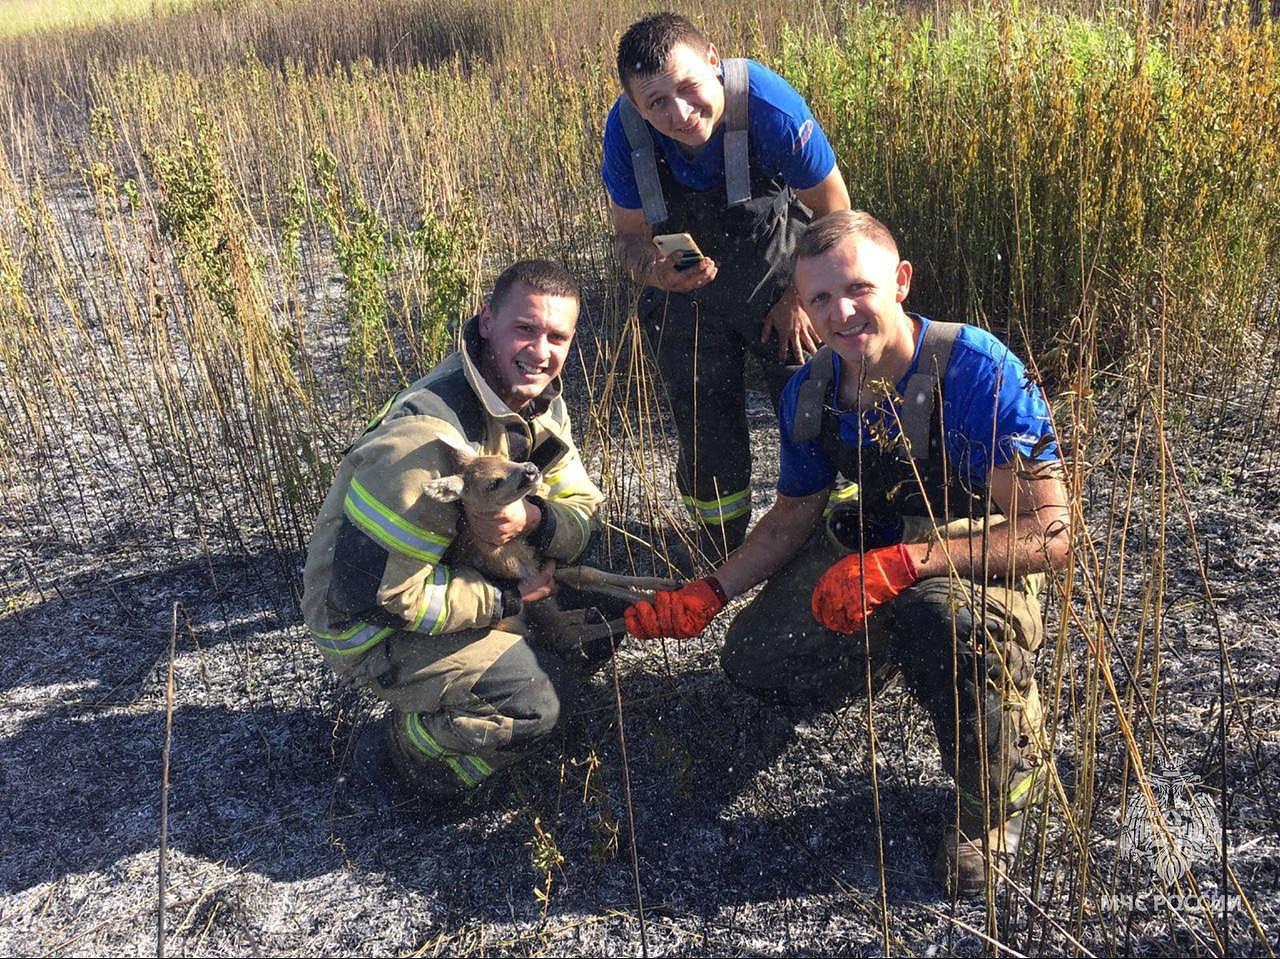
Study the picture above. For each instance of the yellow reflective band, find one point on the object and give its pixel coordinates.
(470, 769)
(435, 602)
(378, 416)
(373, 423)
(556, 484)
(478, 767)
(357, 639)
(392, 531)
(841, 495)
(452, 762)
(717, 512)
(973, 802)
(1020, 790)
(1017, 792)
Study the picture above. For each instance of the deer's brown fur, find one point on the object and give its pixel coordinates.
(486, 484)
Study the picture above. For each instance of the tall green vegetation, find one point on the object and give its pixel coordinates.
(1060, 178)
(1075, 184)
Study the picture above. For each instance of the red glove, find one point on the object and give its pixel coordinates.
(837, 599)
(681, 614)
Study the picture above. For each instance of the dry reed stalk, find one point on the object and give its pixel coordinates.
(163, 858)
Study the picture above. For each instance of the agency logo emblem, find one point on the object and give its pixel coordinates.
(1190, 825)
(802, 136)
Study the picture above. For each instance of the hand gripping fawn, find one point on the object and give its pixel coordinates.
(488, 483)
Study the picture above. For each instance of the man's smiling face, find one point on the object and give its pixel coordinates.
(853, 293)
(685, 99)
(526, 339)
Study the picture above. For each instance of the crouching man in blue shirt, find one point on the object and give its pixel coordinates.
(932, 574)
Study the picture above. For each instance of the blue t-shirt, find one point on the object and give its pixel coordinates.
(785, 141)
(984, 383)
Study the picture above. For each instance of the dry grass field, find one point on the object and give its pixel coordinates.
(21, 17)
(228, 233)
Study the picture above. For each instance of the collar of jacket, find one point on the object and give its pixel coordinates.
(471, 346)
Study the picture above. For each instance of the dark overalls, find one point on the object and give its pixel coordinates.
(965, 650)
(701, 339)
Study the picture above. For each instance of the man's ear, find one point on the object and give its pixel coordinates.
(904, 280)
(485, 320)
(444, 489)
(713, 57)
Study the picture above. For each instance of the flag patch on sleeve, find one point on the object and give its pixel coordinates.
(802, 135)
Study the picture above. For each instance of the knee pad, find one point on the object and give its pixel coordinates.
(926, 624)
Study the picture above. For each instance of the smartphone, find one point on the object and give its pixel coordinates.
(680, 246)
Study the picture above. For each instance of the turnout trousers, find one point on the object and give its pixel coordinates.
(466, 705)
(966, 655)
(701, 341)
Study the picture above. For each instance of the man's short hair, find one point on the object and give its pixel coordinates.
(540, 276)
(646, 46)
(831, 229)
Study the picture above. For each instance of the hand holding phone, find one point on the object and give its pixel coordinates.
(681, 247)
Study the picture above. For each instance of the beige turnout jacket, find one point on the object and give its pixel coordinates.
(377, 561)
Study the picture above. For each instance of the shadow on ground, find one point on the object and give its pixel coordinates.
(258, 790)
(118, 627)
(734, 803)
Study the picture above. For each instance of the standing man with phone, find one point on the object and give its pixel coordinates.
(729, 153)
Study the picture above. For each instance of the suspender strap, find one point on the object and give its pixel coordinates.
(737, 159)
(812, 398)
(921, 392)
(644, 162)
(737, 154)
(919, 399)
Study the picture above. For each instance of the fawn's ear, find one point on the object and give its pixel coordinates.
(455, 450)
(444, 489)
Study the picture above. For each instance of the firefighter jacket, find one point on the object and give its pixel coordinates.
(377, 561)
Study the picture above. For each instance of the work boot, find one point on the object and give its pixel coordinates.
(373, 773)
(377, 779)
(960, 864)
